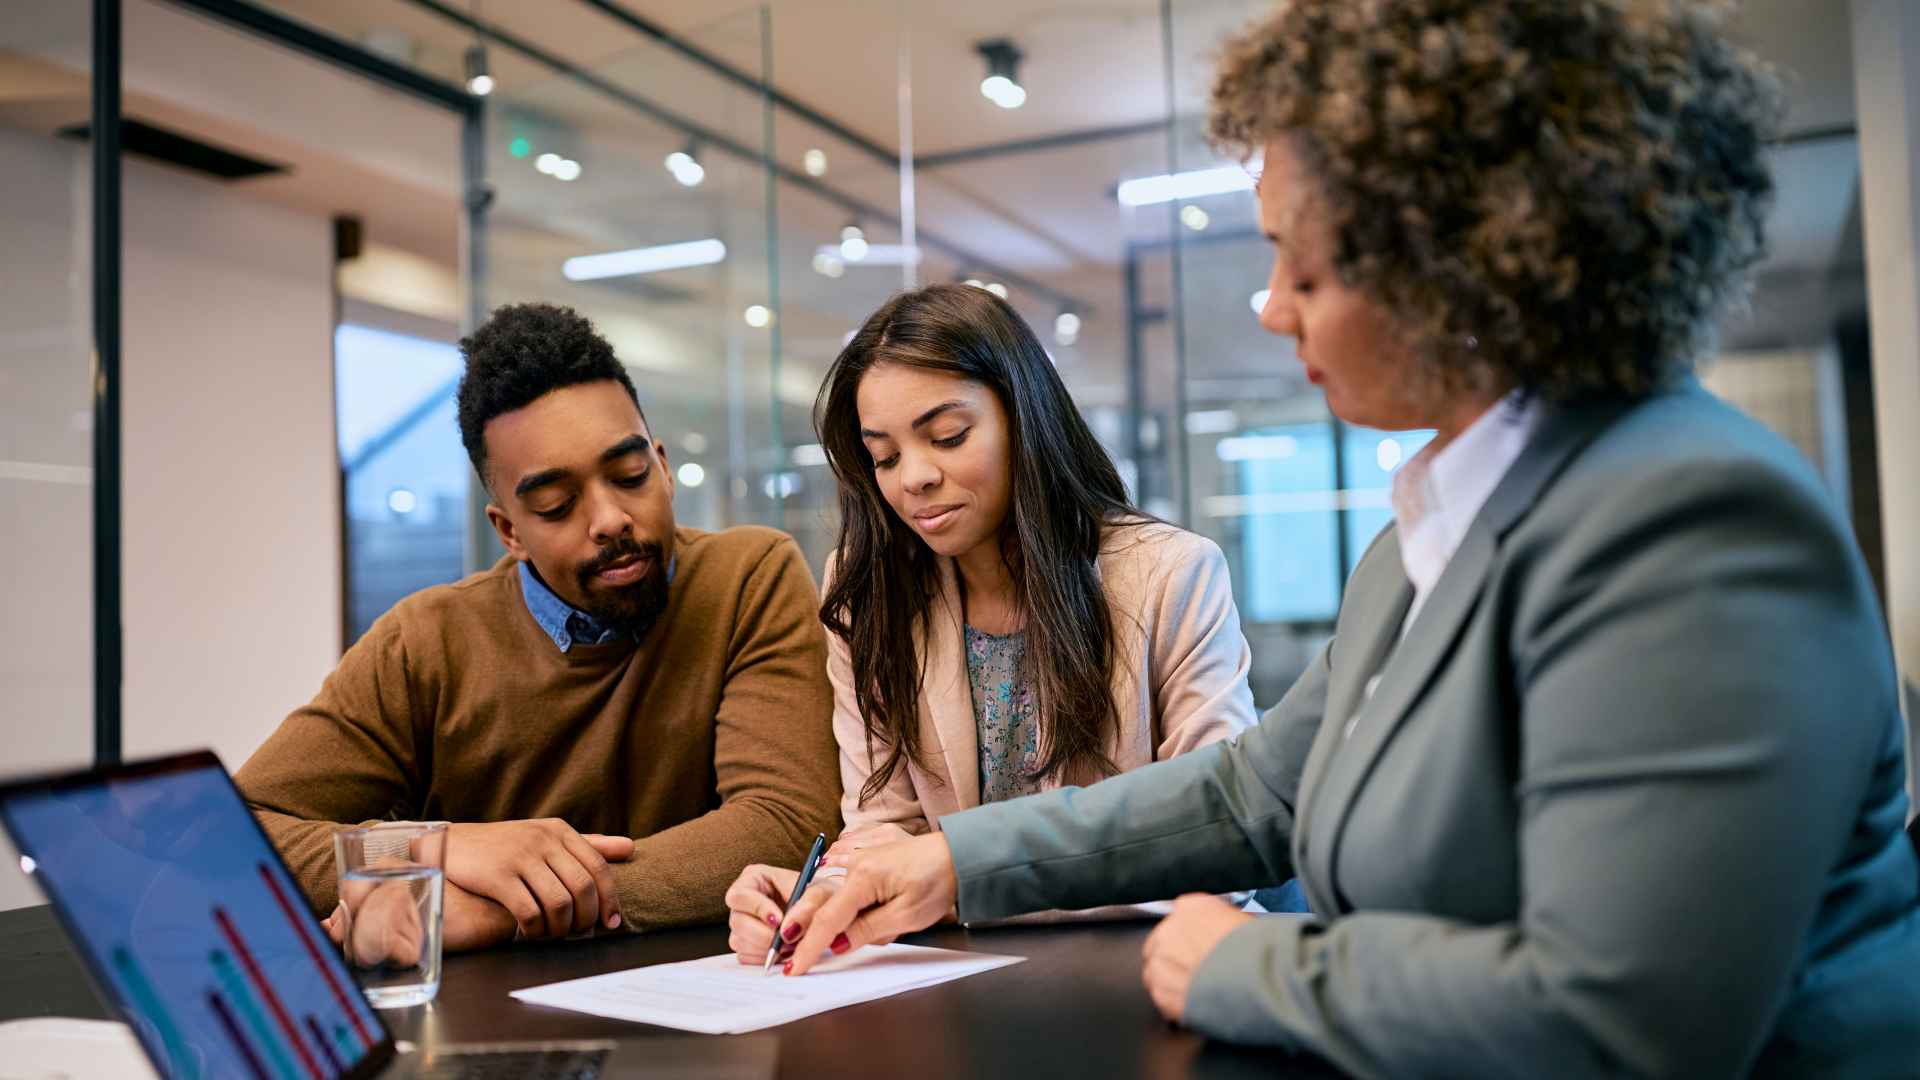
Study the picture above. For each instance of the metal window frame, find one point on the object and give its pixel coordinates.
(108, 637)
(108, 52)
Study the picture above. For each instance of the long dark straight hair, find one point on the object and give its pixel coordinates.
(1065, 492)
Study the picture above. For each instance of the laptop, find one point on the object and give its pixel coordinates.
(196, 934)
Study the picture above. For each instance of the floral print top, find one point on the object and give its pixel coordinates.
(1004, 713)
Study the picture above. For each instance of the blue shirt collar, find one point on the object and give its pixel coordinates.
(563, 622)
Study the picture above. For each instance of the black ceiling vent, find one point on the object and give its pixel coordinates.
(137, 137)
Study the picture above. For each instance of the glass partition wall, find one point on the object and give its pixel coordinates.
(46, 400)
(639, 193)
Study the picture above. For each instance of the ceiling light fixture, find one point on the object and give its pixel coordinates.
(479, 81)
(1002, 84)
(815, 162)
(758, 316)
(1066, 328)
(853, 242)
(1194, 218)
(646, 260)
(1258, 301)
(685, 165)
(997, 289)
(1185, 185)
(876, 255)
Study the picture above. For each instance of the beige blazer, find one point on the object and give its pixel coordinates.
(1179, 678)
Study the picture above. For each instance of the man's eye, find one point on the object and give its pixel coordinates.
(634, 481)
(556, 513)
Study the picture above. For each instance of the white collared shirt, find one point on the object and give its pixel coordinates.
(1438, 493)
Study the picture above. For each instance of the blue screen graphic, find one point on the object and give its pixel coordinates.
(197, 928)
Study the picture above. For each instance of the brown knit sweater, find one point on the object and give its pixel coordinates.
(710, 742)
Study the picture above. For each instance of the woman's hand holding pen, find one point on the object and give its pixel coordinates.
(889, 890)
(755, 908)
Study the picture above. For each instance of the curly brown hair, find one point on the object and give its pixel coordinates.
(1556, 195)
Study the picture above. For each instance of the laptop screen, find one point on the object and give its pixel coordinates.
(191, 922)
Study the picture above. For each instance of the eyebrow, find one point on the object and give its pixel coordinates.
(922, 420)
(632, 444)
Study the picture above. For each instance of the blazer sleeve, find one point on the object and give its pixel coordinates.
(1209, 821)
(1200, 658)
(897, 803)
(1687, 659)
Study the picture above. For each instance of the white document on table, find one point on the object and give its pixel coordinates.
(718, 995)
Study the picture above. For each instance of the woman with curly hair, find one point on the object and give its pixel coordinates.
(1602, 771)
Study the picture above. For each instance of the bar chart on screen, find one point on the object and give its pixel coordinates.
(203, 936)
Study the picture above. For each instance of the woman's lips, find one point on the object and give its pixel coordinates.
(935, 518)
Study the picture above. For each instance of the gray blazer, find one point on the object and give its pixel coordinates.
(1627, 798)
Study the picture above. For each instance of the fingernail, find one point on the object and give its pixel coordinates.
(786, 968)
(840, 945)
(613, 921)
(790, 931)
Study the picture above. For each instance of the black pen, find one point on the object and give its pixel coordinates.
(799, 886)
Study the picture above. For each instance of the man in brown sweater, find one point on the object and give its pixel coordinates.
(617, 717)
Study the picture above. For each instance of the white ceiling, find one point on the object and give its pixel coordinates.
(1049, 214)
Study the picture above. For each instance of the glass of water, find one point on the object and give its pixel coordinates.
(392, 877)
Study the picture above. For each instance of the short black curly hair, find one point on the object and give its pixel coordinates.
(522, 353)
(1551, 194)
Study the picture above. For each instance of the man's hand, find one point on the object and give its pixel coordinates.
(468, 922)
(1178, 946)
(554, 881)
(889, 890)
(379, 923)
(868, 836)
(473, 922)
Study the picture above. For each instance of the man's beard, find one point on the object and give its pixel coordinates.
(633, 608)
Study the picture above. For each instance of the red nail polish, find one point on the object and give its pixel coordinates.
(786, 968)
(840, 945)
(773, 921)
(791, 932)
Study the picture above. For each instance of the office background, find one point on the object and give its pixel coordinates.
(314, 200)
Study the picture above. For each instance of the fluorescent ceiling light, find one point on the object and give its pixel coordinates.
(1257, 448)
(645, 260)
(1187, 185)
(874, 255)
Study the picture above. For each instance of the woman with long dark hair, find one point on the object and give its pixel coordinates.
(1601, 773)
(1001, 620)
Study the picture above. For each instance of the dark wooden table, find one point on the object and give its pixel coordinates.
(1075, 1008)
